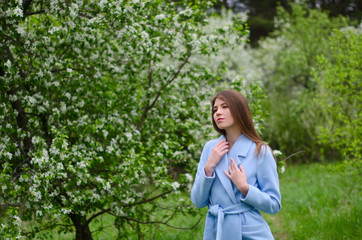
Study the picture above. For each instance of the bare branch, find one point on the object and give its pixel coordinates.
(7, 205)
(129, 205)
(292, 155)
(34, 13)
(97, 214)
(148, 200)
(150, 73)
(48, 227)
(26, 5)
(101, 229)
(168, 82)
(160, 222)
(171, 79)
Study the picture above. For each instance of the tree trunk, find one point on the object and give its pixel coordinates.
(81, 227)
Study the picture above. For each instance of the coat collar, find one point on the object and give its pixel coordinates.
(242, 145)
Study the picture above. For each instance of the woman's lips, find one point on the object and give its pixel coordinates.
(219, 119)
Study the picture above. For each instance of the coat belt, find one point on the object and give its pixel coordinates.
(219, 213)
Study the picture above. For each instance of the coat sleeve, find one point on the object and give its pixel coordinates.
(200, 191)
(266, 196)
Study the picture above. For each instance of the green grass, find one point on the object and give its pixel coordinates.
(316, 204)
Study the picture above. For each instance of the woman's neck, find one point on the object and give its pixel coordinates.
(232, 136)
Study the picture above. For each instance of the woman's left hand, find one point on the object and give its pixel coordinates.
(238, 177)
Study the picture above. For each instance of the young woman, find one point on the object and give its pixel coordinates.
(237, 175)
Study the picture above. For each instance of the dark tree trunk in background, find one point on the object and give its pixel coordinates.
(81, 227)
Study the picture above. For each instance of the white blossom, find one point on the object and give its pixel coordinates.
(189, 177)
(21, 30)
(38, 213)
(17, 220)
(128, 135)
(175, 185)
(102, 3)
(18, 11)
(63, 107)
(66, 211)
(277, 152)
(60, 167)
(3, 226)
(177, 153)
(73, 10)
(37, 196)
(35, 140)
(48, 207)
(160, 17)
(8, 63)
(96, 196)
(107, 187)
(9, 155)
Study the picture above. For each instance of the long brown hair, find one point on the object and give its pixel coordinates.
(240, 111)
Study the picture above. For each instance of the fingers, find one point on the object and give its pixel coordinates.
(231, 171)
(241, 168)
(219, 143)
(222, 147)
(234, 167)
(233, 164)
(227, 174)
(222, 142)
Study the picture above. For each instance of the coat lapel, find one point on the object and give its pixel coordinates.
(225, 181)
(241, 146)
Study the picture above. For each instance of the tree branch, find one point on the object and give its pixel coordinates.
(26, 5)
(34, 13)
(168, 82)
(7, 205)
(97, 214)
(45, 127)
(48, 227)
(148, 200)
(21, 119)
(292, 155)
(171, 79)
(146, 108)
(160, 222)
(130, 205)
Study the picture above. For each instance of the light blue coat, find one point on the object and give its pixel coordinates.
(232, 215)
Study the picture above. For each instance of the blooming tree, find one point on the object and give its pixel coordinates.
(100, 112)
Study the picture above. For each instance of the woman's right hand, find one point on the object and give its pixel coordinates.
(217, 152)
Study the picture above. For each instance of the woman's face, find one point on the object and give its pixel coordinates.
(222, 115)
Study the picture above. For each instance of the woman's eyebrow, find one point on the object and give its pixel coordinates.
(222, 104)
